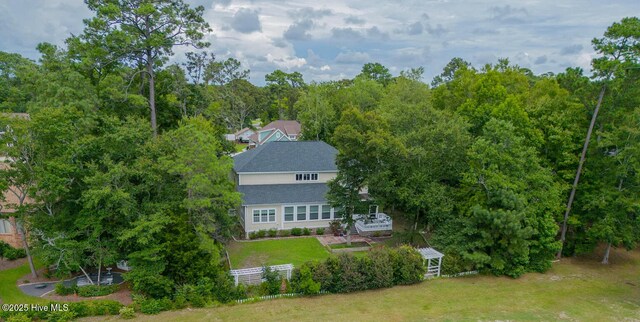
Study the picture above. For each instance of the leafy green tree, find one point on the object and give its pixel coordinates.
(618, 66)
(449, 71)
(366, 149)
(285, 89)
(142, 34)
(317, 116)
(509, 226)
(376, 72)
(13, 94)
(16, 174)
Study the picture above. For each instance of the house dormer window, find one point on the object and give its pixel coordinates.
(306, 177)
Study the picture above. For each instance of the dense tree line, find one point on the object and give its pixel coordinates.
(483, 160)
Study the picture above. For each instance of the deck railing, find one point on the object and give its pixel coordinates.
(381, 222)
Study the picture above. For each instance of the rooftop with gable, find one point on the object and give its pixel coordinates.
(286, 157)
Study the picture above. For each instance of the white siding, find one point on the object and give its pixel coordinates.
(280, 223)
(281, 178)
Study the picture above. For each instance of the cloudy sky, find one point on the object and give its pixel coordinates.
(330, 40)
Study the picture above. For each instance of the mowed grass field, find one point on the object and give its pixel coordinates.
(575, 289)
(275, 252)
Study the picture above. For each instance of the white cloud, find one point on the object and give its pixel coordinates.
(312, 37)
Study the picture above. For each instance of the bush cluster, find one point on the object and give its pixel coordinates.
(10, 253)
(76, 310)
(61, 289)
(381, 267)
(96, 290)
(296, 231)
(319, 231)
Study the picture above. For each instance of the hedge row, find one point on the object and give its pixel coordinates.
(379, 268)
(66, 312)
(262, 233)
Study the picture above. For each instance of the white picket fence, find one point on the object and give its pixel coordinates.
(272, 297)
(461, 274)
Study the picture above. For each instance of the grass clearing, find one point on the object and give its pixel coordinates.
(353, 245)
(9, 291)
(575, 289)
(275, 252)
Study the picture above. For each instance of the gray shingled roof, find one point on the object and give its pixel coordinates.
(287, 156)
(283, 193)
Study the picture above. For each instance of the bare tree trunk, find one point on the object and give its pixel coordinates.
(415, 222)
(99, 270)
(579, 171)
(25, 244)
(87, 275)
(348, 235)
(152, 94)
(605, 260)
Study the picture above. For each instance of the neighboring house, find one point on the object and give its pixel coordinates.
(276, 131)
(8, 231)
(283, 185)
(244, 135)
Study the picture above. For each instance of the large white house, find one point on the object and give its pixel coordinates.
(283, 185)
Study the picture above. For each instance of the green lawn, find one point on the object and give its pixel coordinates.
(274, 252)
(9, 291)
(573, 290)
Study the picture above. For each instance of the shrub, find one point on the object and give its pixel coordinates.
(261, 233)
(105, 307)
(296, 231)
(150, 282)
(61, 289)
(454, 264)
(272, 281)
(253, 235)
(272, 232)
(408, 266)
(153, 306)
(285, 233)
(302, 280)
(335, 226)
(96, 290)
(319, 231)
(10, 253)
(179, 301)
(379, 268)
(60, 316)
(22, 317)
(127, 313)
(306, 231)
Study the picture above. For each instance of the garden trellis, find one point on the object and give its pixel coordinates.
(430, 254)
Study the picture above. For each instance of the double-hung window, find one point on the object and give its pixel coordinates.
(288, 213)
(326, 212)
(313, 212)
(264, 215)
(301, 213)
